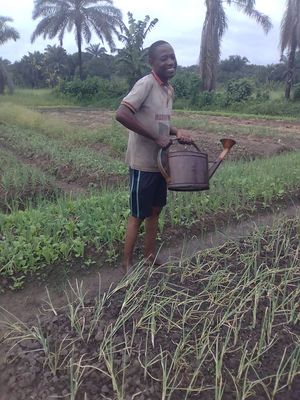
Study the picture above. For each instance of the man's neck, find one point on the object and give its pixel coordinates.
(159, 80)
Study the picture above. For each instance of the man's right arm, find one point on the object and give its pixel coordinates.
(127, 118)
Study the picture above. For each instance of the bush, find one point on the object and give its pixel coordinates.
(93, 89)
(186, 85)
(239, 90)
(204, 99)
(262, 95)
(296, 96)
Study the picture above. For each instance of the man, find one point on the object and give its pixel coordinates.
(145, 111)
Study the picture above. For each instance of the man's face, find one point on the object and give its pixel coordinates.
(164, 62)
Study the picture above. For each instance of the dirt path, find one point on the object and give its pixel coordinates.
(26, 303)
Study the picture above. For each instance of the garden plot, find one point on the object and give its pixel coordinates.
(222, 325)
(84, 149)
(22, 183)
(255, 137)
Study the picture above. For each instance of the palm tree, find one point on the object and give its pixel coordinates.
(133, 57)
(214, 27)
(56, 64)
(84, 16)
(290, 40)
(95, 50)
(6, 33)
(5, 77)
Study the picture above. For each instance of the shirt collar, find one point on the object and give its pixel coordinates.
(157, 78)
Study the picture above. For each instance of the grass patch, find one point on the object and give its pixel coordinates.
(203, 122)
(21, 183)
(237, 115)
(35, 98)
(30, 132)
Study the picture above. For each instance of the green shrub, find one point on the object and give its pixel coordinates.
(93, 89)
(205, 99)
(296, 96)
(186, 85)
(239, 90)
(262, 95)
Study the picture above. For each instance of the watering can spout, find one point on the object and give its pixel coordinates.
(227, 144)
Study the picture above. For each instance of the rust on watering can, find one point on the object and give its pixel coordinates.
(186, 168)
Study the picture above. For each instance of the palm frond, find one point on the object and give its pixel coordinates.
(290, 25)
(7, 32)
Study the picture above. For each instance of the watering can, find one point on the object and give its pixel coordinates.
(187, 169)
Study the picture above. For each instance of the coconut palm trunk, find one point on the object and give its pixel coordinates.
(214, 27)
(2, 80)
(6, 33)
(290, 40)
(291, 68)
(79, 45)
(210, 45)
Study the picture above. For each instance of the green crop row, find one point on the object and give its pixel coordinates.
(228, 322)
(31, 239)
(111, 133)
(205, 123)
(19, 182)
(238, 187)
(83, 160)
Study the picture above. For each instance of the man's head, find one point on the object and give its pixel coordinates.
(162, 60)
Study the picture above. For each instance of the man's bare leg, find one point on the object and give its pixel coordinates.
(151, 229)
(132, 231)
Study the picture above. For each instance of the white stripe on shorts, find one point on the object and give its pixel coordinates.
(137, 195)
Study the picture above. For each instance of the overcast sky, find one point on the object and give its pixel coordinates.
(180, 23)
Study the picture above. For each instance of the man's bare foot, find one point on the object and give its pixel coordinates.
(125, 268)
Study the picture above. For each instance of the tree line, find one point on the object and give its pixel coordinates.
(105, 20)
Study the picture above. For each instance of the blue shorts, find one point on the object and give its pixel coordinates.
(147, 190)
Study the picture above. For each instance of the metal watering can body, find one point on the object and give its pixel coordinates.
(187, 169)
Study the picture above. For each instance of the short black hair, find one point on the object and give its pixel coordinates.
(153, 47)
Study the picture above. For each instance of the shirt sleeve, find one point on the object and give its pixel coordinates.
(138, 94)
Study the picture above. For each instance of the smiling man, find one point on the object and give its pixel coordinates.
(146, 112)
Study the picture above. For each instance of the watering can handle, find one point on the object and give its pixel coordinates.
(159, 158)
